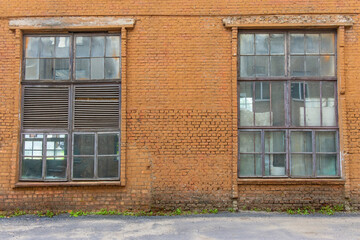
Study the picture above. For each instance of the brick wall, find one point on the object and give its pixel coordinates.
(179, 109)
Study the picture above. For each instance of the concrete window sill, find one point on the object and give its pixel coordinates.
(66, 184)
(291, 181)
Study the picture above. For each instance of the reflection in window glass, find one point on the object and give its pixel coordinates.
(83, 167)
(328, 104)
(43, 58)
(84, 144)
(262, 55)
(250, 142)
(250, 165)
(301, 142)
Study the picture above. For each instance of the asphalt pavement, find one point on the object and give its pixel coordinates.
(242, 225)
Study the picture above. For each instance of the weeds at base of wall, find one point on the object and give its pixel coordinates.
(79, 213)
(327, 210)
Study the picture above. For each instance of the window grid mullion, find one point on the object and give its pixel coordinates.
(263, 152)
(44, 152)
(313, 153)
(70, 160)
(304, 99)
(96, 156)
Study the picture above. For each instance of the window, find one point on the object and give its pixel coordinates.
(287, 104)
(71, 107)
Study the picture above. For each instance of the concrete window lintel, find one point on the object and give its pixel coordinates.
(71, 23)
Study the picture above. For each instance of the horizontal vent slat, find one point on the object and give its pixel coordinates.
(96, 107)
(45, 107)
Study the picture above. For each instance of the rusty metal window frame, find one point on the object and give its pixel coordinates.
(70, 130)
(287, 80)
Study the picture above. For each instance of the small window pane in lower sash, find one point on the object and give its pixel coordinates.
(108, 167)
(250, 165)
(301, 165)
(250, 141)
(84, 144)
(56, 167)
(83, 167)
(31, 168)
(275, 164)
(326, 164)
(108, 143)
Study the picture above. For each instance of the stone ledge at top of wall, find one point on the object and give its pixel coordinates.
(70, 22)
(289, 20)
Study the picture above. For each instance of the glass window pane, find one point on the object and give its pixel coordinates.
(297, 44)
(82, 69)
(56, 144)
(327, 66)
(97, 46)
(297, 104)
(328, 104)
(62, 67)
(262, 90)
(301, 142)
(249, 142)
(108, 143)
(275, 164)
(312, 65)
(262, 104)
(250, 165)
(32, 47)
(108, 167)
(82, 46)
(247, 66)
(97, 68)
(325, 141)
(275, 141)
(47, 47)
(33, 144)
(327, 43)
(277, 104)
(31, 168)
(297, 66)
(32, 69)
(277, 44)
(247, 44)
(246, 103)
(112, 68)
(262, 44)
(56, 168)
(46, 69)
(113, 46)
(277, 66)
(84, 144)
(62, 47)
(261, 65)
(312, 103)
(312, 43)
(326, 164)
(83, 167)
(301, 165)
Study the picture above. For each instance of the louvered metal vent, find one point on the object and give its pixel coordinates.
(96, 107)
(45, 107)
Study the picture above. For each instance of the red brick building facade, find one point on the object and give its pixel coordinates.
(176, 73)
